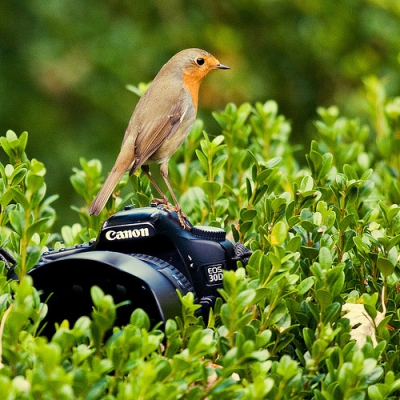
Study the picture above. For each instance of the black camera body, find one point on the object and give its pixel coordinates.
(142, 255)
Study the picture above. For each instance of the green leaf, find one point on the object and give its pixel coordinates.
(385, 266)
(324, 298)
(17, 220)
(305, 285)
(36, 227)
(346, 221)
(262, 177)
(211, 189)
(316, 159)
(97, 294)
(18, 175)
(33, 257)
(327, 160)
(273, 162)
(393, 242)
(348, 240)
(278, 313)
(249, 188)
(325, 258)
(307, 184)
(350, 172)
(331, 312)
(293, 244)
(218, 163)
(23, 140)
(203, 161)
(361, 246)
(260, 191)
(309, 337)
(313, 308)
(140, 319)
(247, 215)
(371, 311)
(374, 393)
(309, 252)
(278, 234)
(284, 342)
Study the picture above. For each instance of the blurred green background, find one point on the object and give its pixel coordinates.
(64, 66)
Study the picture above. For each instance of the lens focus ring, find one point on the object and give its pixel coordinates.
(170, 272)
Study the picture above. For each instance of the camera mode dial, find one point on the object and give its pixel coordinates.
(209, 233)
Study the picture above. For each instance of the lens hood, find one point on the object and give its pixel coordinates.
(148, 283)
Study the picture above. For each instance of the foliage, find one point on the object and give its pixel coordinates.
(322, 236)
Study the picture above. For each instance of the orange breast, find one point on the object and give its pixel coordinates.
(192, 84)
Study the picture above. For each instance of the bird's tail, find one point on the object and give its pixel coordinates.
(105, 192)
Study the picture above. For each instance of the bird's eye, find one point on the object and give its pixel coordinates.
(200, 61)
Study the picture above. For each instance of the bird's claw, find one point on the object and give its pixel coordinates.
(183, 220)
(168, 206)
(165, 202)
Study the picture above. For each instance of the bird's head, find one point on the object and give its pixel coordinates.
(196, 63)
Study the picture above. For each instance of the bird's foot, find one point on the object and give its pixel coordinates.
(165, 202)
(183, 220)
(168, 206)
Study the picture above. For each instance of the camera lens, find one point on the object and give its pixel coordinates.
(144, 281)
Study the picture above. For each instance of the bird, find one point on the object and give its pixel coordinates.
(160, 123)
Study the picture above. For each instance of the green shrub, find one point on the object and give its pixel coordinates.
(323, 235)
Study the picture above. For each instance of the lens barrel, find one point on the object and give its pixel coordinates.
(144, 281)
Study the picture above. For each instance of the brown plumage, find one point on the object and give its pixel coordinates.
(161, 122)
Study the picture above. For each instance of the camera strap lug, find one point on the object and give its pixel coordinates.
(242, 253)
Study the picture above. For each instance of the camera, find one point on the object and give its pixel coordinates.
(142, 256)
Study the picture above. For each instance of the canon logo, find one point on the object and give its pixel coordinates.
(127, 234)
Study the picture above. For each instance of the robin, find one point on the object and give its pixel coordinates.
(160, 123)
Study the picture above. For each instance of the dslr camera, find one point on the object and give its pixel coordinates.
(142, 257)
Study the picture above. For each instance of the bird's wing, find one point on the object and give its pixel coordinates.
(153, 133)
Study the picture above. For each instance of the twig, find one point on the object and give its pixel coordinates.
(383, 300)
(2, 324)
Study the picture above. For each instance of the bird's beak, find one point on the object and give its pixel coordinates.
(222, 66)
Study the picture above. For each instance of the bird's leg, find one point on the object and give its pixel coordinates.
(182, 217)
(164, 199)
